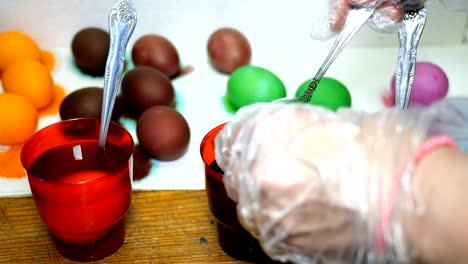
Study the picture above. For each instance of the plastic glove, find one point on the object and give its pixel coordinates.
(387, 17)
(310, 183)
(451, 118)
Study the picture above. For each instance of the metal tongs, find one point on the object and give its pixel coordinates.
(409, 35)
(356, 19)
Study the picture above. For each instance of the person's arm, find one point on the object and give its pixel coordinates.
(311, 183)
(440, 234)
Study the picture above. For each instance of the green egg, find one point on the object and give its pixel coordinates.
(252, 84)
(330, 93)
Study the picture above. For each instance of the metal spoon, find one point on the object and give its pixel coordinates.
(122, 22)
(357, 17)
(409, 36)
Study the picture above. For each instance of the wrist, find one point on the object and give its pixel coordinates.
(428, 233)
(406, 196)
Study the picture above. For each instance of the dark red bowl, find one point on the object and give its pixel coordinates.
(233, 238)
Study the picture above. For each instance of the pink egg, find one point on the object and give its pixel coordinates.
(430, 84)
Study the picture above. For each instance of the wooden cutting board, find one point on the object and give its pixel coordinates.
(162, 227)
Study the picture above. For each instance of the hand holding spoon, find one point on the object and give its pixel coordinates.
(122, 22)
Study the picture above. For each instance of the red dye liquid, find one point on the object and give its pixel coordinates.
(82, 193)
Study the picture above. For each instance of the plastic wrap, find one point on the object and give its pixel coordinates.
(311, 183)
(387, 17)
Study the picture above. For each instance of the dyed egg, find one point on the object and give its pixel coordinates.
(90, 47)
(163, 133)
(18, 120)
(15, 45)
(158, 52)
(144, 87)
(30, 79)
(430, 84)
(228, 49)
(330, 93)
(87, 102)
(252, 84)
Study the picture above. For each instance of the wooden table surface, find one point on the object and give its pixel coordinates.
(162, 227)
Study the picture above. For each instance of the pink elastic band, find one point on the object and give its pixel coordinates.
(387, 210)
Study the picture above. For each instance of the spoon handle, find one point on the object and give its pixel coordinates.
(122, 22)
(357, 17)
(409, 36)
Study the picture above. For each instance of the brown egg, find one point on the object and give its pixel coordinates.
(157, 52)
(163, 133)
(141, 163)
(228, 49)
(144, 87)
(90, 47)
(87, 102)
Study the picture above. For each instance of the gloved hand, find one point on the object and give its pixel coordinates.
(387, 17)
(311, 184)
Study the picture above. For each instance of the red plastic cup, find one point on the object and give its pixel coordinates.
(233, 238)
(81, 192)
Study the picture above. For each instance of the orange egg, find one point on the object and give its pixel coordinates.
(15, 45)
(30, 79)
(18, 120)
(48, 59)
